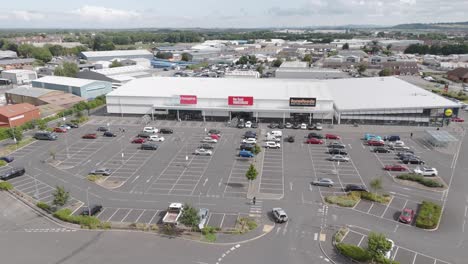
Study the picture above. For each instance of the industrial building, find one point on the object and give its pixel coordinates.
(115, 54)
(301, 70)
(19, 76)
(117, 76)
(242, 74)
(18, 114)
(85, 88)
(358, 100)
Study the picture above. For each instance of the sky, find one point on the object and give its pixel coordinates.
(225, 14)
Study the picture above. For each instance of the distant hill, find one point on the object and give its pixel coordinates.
(444, 26)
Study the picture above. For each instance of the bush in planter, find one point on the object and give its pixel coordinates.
(429, 215)
(5, 186)
(44, 206)
(420, 179)
(353, 252)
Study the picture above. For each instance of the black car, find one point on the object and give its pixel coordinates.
(335, 151)
(288, 125)
(280, 126)
(109, 134)
(144, 135)
(311, 127)
(250, 134)
(403, 155)
(13, 173)
(380, 150)
(412, 160)
(405, 152)
(290, 139)
(355, 188)
(336, 145)
(149, 146)
(72, 125)
(166, 131)
(7, 159)
(254, 125)
(315, 135)
(248, 147)
(241, 125)
(273, 125)
(296, 126)
(94, 210)
(102, 129)
(206, 146)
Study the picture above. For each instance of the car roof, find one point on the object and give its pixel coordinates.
(279, 210)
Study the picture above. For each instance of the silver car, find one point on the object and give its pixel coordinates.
(203, 152)
(279, 215)
(203, 215)
(323, 182)
(102, 171)
(339, 158)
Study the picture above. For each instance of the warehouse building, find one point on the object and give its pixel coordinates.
(19, 76)
(16, 115)
(115, 54)
(117, 76)
(87, 89)
(357, 100)
(301, 70)
(40, 96)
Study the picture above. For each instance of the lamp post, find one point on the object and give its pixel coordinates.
(66, 138)
(87, 200)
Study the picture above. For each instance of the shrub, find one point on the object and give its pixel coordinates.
(420, 179)
(246, 224)
(105, 225)
(209, 233)
(5, 186)
(90, 222)
(340, 234)
(375, 197)
(44, 206)
(348, 200)
(353, 252)
(3, 163)
(257, 149)
(429, 215)
(94, 178)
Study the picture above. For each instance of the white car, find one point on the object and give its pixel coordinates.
(272, 138)
(303, 126)
(426, 171)
(339, 158)
(209, 140)
(388, 254)
(248, 124)
(271, 144)
(276, 133)
(203, 152)
(67, 127)
(150, 130)
(398, 143)
(156, 138)
(250, 141)
(318, 126)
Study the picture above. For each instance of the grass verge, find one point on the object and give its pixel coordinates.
(10, 148)
(3, 163)
(354, 252)
(420, 179)
(374, 197)
(245, 224)
(209, 233)
(5, 186)
(84, 221)
(429, 215)
(44, 206)
(348, 200)
(94, 178)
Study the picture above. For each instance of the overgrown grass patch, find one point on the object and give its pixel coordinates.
(3, 163)
(44, 206)
(84, 221)
(354, 252)
(374, 197)
(5, 186)
(94, 178)
(420, 179)
(10, 148)
(429, 215)
(245, 224)
(348, 200)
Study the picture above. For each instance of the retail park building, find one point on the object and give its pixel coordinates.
(379, 100)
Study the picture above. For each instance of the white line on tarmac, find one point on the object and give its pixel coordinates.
(136, 178)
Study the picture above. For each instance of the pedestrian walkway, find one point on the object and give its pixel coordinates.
(256, 209)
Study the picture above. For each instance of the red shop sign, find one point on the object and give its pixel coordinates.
(188, 99)
(240, 100)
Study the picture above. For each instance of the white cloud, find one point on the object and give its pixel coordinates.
(26, 15)
(104, 14)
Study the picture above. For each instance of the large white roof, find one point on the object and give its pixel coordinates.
(122, 70)
(68, 81)
(117, 53)
(272, 89)
(382, 93)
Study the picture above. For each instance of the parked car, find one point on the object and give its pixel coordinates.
(380, 150)
(315, 135)
(206, 146)
(375, 143)
(273, 125)
(426, 171)
(246, 154)
(250, 134)
(371, 136)
(388, 254)
(203, 216)
(288, 125)
(311, 127)
(67, 127)
(109, 134)
(458, 120)
(7, 159)
(156, 138)
(296, 126)
(406, 216)
(248, 124)
(314, 141)
(240, 125)
(279, 215)
(396, 144)
(72, 125)
(149, 146)
(290, 139)
(412, 160)
(402, 148)
(215, 136)
(150, 130)
(94, 210)
(102, 129)
(318, 126)
(323, 182)
(395, 167)
(280, 126)
(336, 145)
(90, 136)
(209, 140)
(405, 152)
(339, 158)
(392, 138)
(245, 146)
(331, 136)
(355, 188)
(276, 133)
(272, 144)
(45, 135)
(101, 171)
(249, 141)
(214, 131)
(166, 131)
(254, 125)
(144, 135)
(335, 151)
(203, 152)
(304, 126)
(60, 130)
(12, 173)
(138, 140)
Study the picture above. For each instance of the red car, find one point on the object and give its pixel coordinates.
(60, 130)
(395, 167)
(314, 141)
(331, 136)
(406, 216)
(458, 120)
(90, 136)
(214, 136)
(378, 143)
(139, 140)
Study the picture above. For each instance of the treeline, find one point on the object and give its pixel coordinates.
(437, 50)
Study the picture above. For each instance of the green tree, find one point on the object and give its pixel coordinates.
(251, 173)
(385, 72)
(26, 50)
(389, 46)
(345, 46)
(115, 64)
(60, 196)
(42, 54)
(186, 56)
(57, 50)
(252, 59)
(381, 34)
(308, 58)
(361, 68)
(376, 184)
(15, 133)
(189, 216)
(277, 63)
(260, 69)
(164, 55)
(68, 69)
(243, 60)
(377, 245)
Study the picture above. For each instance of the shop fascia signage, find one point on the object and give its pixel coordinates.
(185, 99)
(302, 101)
(240, 100)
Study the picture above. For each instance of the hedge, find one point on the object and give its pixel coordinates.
(420, 179)
(5, 186)
(349, 200)
(353, 252)
(44, 206)
(375, 197)
(90, 222)
(429, 215)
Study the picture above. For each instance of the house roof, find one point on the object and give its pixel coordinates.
(17, 61)
(17, 109)
(459, 72)
(67, 81)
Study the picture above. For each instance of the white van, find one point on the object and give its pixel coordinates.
(277, 133)
(271, 137)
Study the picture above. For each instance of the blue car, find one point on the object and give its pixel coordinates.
(246, 154)
(7, 159)
(371, 136)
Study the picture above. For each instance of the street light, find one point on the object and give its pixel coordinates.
(87, 200)
(66, 139)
